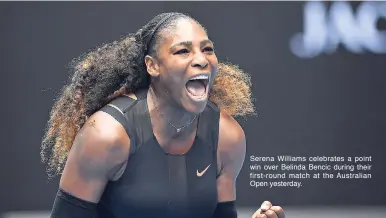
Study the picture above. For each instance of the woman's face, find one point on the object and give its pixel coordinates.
(186, 64)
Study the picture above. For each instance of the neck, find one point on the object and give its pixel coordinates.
(168, 119)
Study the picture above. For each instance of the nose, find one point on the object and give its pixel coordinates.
(200, 61)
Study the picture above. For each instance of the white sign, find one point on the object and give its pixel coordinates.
(324, 30)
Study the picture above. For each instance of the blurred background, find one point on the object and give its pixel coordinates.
(318, 73)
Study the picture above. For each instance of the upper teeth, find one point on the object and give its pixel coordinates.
(200, 77)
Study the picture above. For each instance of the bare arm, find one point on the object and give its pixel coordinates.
(100, 148)
(231, 154)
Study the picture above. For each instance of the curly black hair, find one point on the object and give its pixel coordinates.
(118, 68)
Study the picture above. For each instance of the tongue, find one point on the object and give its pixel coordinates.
(195, 88)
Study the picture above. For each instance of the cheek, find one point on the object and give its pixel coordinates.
(176, 72)
(213, 62)
(214, 65)
(173, 78)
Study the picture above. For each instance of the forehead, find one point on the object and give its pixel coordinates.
(185, 30)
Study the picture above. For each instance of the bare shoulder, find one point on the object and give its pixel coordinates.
(103, 140)
(231, 134)
(99, 150)
(231, 144)
(230, 156)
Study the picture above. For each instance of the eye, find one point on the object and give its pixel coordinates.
(182, 51)
(208, 49)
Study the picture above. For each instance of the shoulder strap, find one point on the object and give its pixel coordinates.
(209, 121)
(213, 114)
(141, 94)
(117, 108)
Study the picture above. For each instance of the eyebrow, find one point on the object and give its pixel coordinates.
(189, 43)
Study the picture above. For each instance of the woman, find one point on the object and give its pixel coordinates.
(134, 134)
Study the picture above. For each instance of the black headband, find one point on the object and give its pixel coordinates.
(146, 39)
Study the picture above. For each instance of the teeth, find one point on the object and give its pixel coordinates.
(200, 77)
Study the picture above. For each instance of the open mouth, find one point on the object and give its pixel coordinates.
(197, 86)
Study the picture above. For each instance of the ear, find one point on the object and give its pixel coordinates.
(152, 66)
